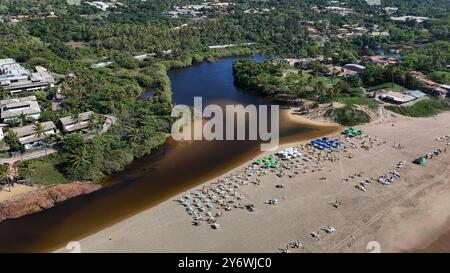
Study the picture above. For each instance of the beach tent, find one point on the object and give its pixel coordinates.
(421, 160)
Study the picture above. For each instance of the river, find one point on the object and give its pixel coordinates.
(176, 167)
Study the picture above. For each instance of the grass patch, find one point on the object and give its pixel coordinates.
(351, 101)
(388, 85)
(348, 116)
(44, 172)
(424, 108)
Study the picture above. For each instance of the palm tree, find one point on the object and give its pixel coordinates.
(13, 122)
(75, 115)
(79, 158)
(93, 121)
(134, 135)
(22, 118)
(25, 169)
(5, 175)
(12, 137)
(39, 130)
(4, 172)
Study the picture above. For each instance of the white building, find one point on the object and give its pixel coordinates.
(29, 138)
(355, 67)
(12, 108)
(101, 65)
(69, 124)
(15, 78)
(410, 18)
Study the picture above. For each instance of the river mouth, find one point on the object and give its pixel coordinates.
(174, 168)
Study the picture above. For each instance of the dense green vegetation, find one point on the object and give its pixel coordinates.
(440, 76)
(424, 108)
(83, 35)
(280, 80)
(352, 101)
(389, 85)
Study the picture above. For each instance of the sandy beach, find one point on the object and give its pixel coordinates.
(406, 215)
(7, 193)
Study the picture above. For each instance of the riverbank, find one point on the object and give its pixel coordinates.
(16, 194)
(402, 216)
(28, 200)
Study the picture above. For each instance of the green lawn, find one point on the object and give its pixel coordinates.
(424, 108)
(350, 101)
(44, 172)
(395, 87)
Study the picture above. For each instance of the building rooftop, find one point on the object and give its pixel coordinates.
(26, 134)
(81, 117)
(15, 78)
(70, 124)
(416, 93)
(358, 66)
(398, 97)
(13, 108)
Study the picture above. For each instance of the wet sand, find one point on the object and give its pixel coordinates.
(442, 244)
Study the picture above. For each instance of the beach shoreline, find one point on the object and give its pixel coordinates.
(162, 219)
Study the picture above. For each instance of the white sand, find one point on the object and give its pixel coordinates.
(412, 211)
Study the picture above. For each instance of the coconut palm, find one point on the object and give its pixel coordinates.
(12, 137)
(4, 172)
(22, 118)
(13, 122)
(93, 121)
(75, 115)
(39, 130)
(25, 168)
(80, 157)
(5, 176)
(134, 134)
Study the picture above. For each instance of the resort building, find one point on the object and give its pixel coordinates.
(69, 124)
(305, 61)
(410, 18)
(446, 87)
(415, 93)
(382, 61)
(396, 97)
(339, 10)
(436, 88)
(355, 67)
(101, 65)
(13, 108)
(28, 136)
(104, 6)
(15, 78)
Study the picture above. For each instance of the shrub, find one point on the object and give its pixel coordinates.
(348, 116)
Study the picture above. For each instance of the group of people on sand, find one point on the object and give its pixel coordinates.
(212, 201)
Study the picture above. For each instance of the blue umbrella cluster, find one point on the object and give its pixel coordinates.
(325, 143)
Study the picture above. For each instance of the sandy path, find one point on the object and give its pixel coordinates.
(6, 194)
